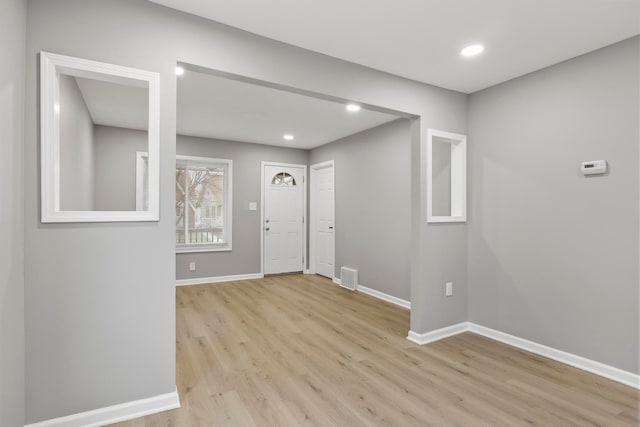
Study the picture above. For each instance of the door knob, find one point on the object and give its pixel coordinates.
(330, 228)
(266, 229)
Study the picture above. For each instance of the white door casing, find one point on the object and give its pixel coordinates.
(283, 218)
(322, 225)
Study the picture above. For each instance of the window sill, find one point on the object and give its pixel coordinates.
(193, 249)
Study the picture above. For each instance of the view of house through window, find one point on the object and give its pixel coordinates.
(203, 207)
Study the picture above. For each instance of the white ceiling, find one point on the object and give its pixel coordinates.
(219, 108)
(421, 39)
(114, 104)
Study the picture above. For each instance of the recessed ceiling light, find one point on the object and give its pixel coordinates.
(472, 50)
(288, 137)
(353, 107)
(179, 71)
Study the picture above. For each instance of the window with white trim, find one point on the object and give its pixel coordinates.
(203, 204)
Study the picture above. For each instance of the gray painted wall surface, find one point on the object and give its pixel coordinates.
(76, 149)
(100, 298)
(247, 158)
(115, 167)
(373, 206)
(553, 256)
(441, 188)
(12, 44)
(100, 302)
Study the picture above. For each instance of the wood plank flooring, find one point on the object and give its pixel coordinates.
(301, 351)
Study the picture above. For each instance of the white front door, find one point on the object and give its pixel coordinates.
(283, 218)
(323, 219)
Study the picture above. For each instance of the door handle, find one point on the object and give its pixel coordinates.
(266, 229)
(330, 228)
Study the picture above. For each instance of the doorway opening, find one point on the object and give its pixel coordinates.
(250, 122)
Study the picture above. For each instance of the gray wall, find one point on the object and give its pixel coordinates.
(76, 149)
(247, 158)
(441, 173)
(553, 256)
(373, 205)
(12, 44)
(100, 312)
(115, 167)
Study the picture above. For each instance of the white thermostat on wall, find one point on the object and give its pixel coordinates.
(595, 167)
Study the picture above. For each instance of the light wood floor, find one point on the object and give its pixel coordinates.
(298, 351)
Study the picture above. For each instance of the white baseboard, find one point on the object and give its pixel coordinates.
(579, 362)
(598, 368)
(438, 334)
(308, 272)
(383, 296)
(378, 294)
(116, 413)
(217, 279)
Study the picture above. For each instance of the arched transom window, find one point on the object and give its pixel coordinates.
(283, 178)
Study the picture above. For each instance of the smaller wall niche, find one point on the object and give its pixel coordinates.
(446, 177)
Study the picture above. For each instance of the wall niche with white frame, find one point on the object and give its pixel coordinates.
(100, 130)
(446, 177)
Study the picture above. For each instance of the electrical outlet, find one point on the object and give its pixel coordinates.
(448, 289)
(192, 266)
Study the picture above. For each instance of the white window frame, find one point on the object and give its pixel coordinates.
(458, 194)
(228, 203)
(51, 66)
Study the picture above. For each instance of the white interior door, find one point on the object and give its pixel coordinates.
(283, 218)
(323, 219)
